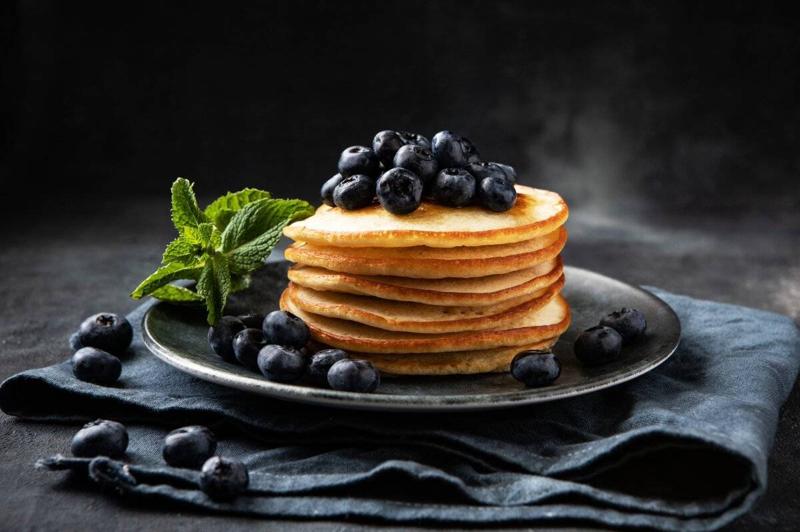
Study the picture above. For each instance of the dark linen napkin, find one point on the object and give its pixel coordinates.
(684, 447)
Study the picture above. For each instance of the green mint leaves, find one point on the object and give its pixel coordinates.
(219, 246)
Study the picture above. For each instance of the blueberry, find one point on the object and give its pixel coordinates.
(189, 447)
(359, 160)
(385, 145)
(326, 192)
(453, 151)
(93, 365)
(417, 159)
(598, 345)
(354, 192)
(511, 174)
(220, 336)
(353, 376)
(399, 191)
(223, 479)
(454, 187)
(284, 328)
(100, 438)
(281, 364)
(628, 322)
(536, 368)
(414, 138)
(106, 331)
(321, 362)
(246, 345)
(75, 341)
(252, 321)
(482, 170)
(497, 193)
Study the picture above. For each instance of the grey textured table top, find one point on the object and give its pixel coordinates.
(58, 268)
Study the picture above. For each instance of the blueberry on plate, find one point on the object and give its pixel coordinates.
(482, 170)
(223, 479)
(496, 193)
(598, 345)
(284, 328)
(326, 192)
(454, 187)
(98, 367)
(246, 345)
(252, 321)
(321, 362)
(75, 341)
(106, 331)
(399, 191)
(100, 438)
(509, 171)
(414, 138)
(417, 159)
(189, 447)
(220, 336)
(349, 375)
(354, 192)
(385, 145)
(536, 368)
(452, 150)
(281, 364)
(359, 160)
(628, 322)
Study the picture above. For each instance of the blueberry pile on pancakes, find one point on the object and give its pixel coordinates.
(450, 287)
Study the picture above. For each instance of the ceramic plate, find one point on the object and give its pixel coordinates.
(177, 335)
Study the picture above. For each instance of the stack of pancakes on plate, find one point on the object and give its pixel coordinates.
(436, 292)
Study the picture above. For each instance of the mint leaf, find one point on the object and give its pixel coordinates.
(261, 217)
(214, 285)
(221, 210)
(252, 255)
(209, 236)
(185, 211)
(176, 294)
(239, 282)
(165, 275)
(182, 250)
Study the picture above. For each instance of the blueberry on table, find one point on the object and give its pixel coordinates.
(509, 171)
(359, 160)
(452, 150)
(284, 328)
(415, 139)
(220, 336)
(385, 145)
(326, 192)
(598, 345)
(536, 368)
(96, 366)
(496, 193)
(418, 160)
(75, 341)
(246, 345)
(349, 375)
(454, 187)
(100, 438)
(223, 479)
(354, 192)
(399, 191)
(628, 322)
(252, 321)
(321, 362)
(281, 364)
(106, 331)
(482, 170)
(189, 447)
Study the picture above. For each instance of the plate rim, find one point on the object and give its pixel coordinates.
(405, 402)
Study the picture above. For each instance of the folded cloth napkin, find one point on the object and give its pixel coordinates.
(684, 447)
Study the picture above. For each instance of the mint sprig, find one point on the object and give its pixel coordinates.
(219, 246)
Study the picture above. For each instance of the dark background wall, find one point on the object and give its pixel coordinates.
(690, 105)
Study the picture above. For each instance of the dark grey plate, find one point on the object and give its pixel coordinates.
(177, 335)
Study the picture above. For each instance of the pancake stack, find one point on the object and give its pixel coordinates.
(436, 292)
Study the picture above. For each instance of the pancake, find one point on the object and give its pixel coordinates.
(475, 291)
(535, 213)
(418, 317)
(423, 268)
(425, 252)
(547, 322)
(455, 363)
